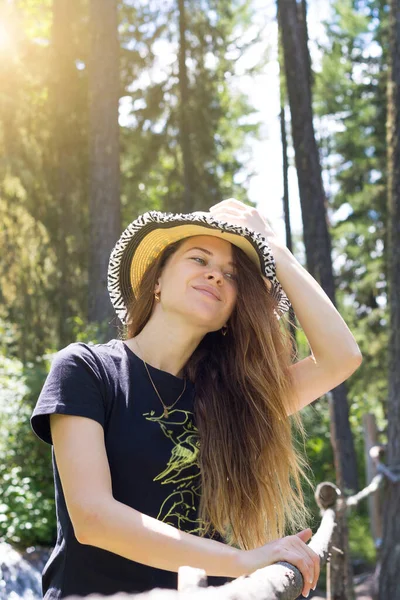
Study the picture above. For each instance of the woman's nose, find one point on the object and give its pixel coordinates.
(215, 274)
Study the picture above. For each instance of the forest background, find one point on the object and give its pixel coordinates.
(215, 108)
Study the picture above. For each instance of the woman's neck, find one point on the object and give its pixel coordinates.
(165, 348)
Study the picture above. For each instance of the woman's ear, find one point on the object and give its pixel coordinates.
(157, 287)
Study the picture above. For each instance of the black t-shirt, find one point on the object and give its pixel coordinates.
(153, 461)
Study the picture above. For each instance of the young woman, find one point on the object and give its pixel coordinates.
(173, 445)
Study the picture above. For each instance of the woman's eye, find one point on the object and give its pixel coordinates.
(231, 275)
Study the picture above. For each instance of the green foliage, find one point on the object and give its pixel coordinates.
(27, 507)
(220, 118)
(360, 539)
(350, 99)
(90, 333)
(350, 91)
(44, 140)
(37, 142)
(26, 480)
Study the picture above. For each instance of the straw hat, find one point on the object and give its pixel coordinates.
(147, 236)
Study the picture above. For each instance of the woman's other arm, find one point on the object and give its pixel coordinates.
(100, 520)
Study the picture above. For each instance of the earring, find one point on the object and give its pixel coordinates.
(157, 296)
(224, 329)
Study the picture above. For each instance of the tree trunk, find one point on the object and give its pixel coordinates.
(62, 75)
(184, 134)
(313, 205)
(389, 586)
(291, 18)
(285, 176)
(104, 201)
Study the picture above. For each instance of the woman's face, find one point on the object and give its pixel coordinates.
(200, 260)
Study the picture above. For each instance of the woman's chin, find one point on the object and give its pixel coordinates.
(205, 320)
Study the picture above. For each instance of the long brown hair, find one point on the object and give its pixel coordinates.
(250, 467)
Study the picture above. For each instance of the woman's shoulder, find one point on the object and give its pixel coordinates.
(79, 382)
(90, 353)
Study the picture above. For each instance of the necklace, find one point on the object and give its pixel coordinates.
(166, 408)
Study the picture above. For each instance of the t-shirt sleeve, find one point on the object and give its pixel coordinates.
(74, 386)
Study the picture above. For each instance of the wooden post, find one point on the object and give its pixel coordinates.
(340, 569)
(374, 500)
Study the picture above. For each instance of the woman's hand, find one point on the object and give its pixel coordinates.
(291, 549)
(238, 213)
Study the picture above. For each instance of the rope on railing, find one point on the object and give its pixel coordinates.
(375, 484)
(393, 472)
(389, 472)
(383, 472)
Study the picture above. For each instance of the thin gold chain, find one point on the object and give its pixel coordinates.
(166, 408)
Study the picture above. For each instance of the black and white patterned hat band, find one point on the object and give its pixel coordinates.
(146, 237)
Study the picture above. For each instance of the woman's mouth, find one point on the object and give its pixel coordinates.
(209, 294)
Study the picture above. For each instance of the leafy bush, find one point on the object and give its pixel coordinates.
(27, 511)
(27, 502)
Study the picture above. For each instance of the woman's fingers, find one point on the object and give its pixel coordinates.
(317, 567)
(301, 561)
(305, 535)
(230, 202)
(291, 549)
(316, 564)
(311, 564)
(226, 211)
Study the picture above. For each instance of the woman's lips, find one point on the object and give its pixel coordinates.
(207, 294)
